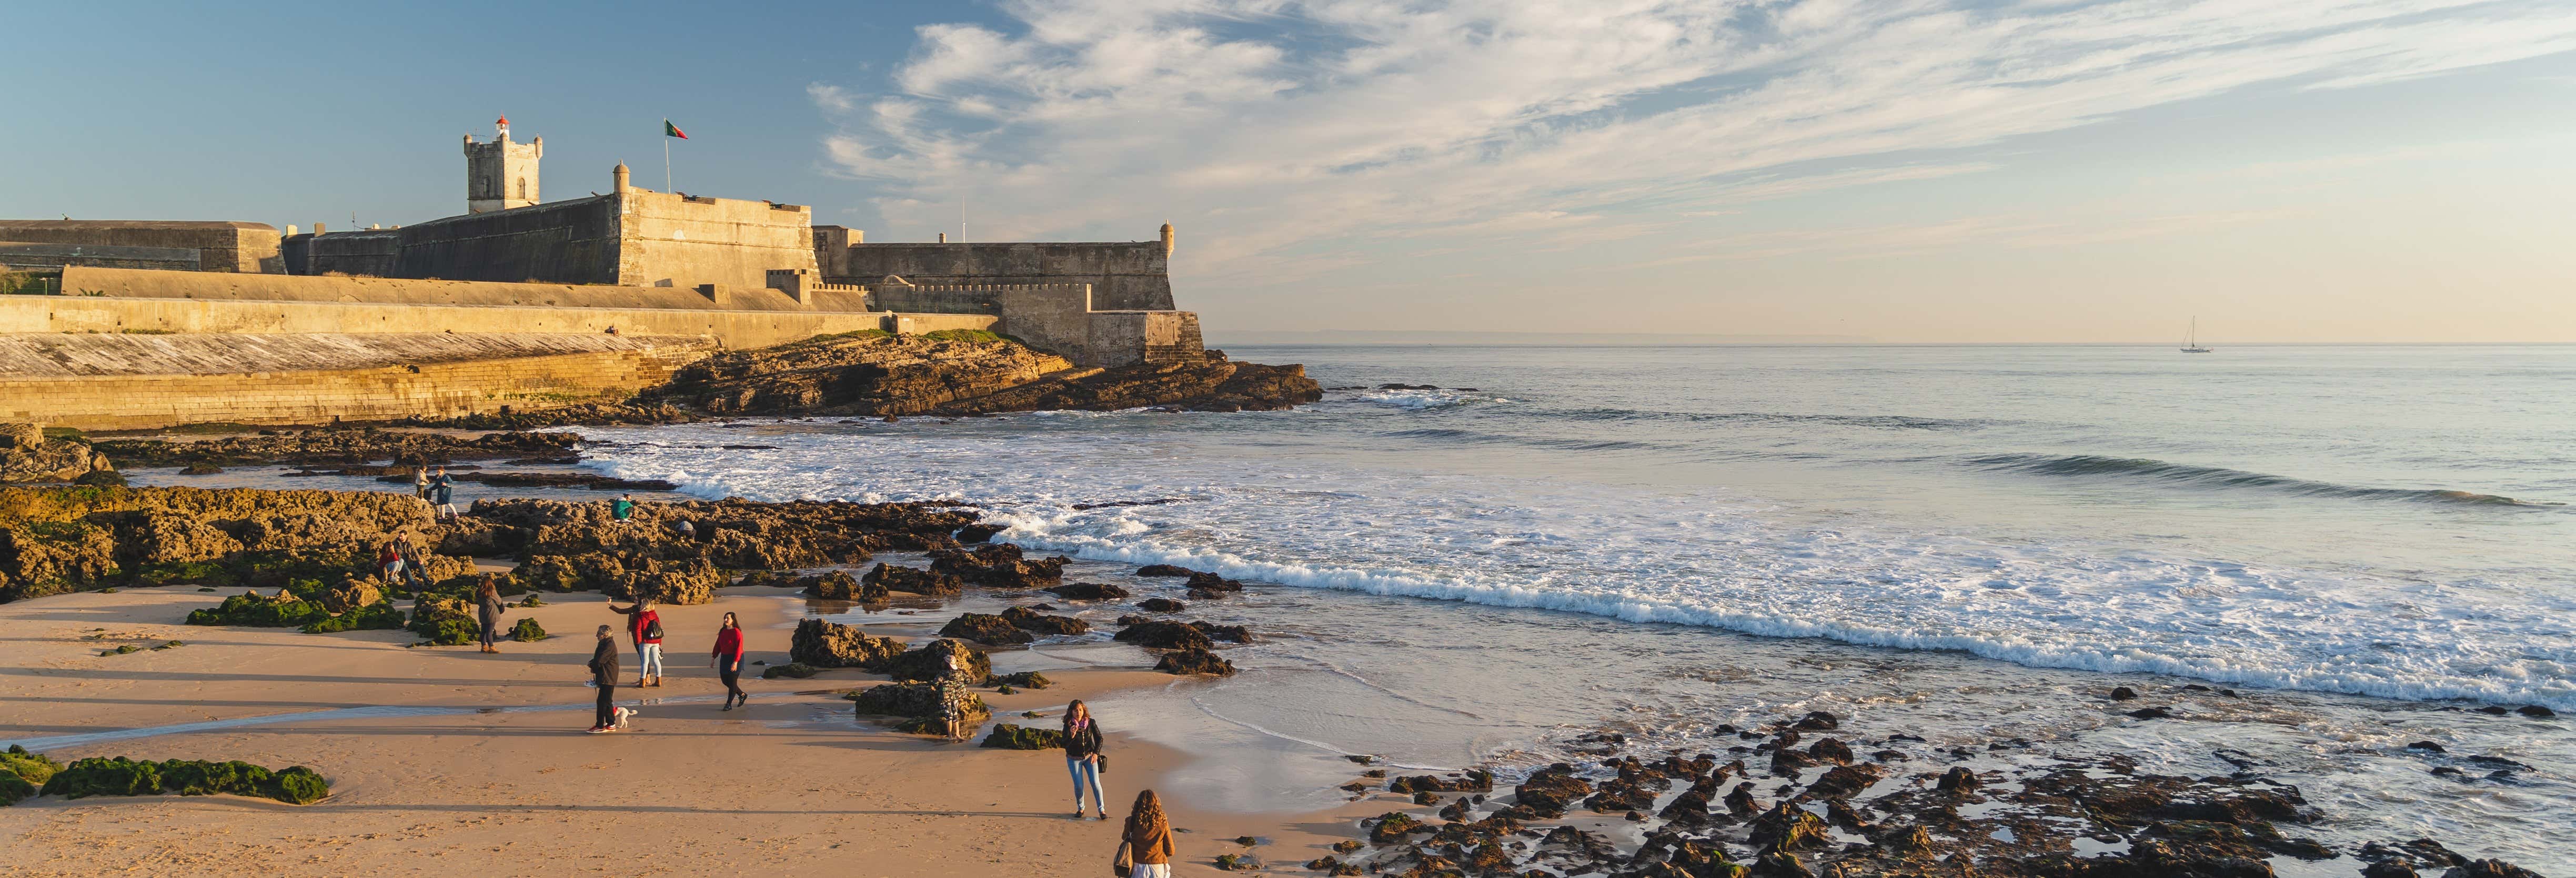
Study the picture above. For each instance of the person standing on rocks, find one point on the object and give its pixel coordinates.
(1082, 758)
(603, 674)
(420, 483)
(728, 660)
(646, 629)
(488, 609)
(1149, 838)
(442, 492)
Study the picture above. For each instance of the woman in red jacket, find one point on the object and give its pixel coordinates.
(646, 629)
(728, 661)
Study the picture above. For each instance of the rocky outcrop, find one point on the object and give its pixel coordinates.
(1164, 635)
(986, 629)
(840, 586)
(27, 456)
(1001, 565)
(932, 661)
(57, 539)
(825, 644)
(874, 374)
(1194, 661)
(1088, 591)
(915, 580)
(897, 699)
(1026, 619)
(1214, 384)
(1011, 737)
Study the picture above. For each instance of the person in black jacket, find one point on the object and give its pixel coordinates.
(1082, 758)
(488, 609)
(603, 673)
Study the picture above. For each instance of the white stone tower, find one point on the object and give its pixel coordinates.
(501, 175)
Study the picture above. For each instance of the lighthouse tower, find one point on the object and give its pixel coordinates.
(501, 175)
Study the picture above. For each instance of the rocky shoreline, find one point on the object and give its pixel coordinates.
(1815, 795)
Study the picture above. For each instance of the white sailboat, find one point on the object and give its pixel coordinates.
(2191, 342)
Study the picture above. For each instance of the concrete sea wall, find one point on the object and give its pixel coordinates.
(106, 382)
(733, 329)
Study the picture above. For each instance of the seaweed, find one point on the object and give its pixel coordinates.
(444, 622)
(378, 616)
(253, 609)
(120, 776)
(528, 631)
(1011, 737)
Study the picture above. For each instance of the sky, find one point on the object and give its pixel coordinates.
(1896, 170)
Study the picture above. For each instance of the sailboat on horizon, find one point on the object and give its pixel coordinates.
(2191, 342)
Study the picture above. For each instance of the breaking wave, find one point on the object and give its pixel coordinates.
(2219, 477)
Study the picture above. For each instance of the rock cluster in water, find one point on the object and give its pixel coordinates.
(1796, 805)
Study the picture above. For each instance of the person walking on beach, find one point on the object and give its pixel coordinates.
(442, 491)
(603, 674)
(1082, 758)
(488, 609)
(1148, 839)
(646, 629)
(623, 508)
(728, 661)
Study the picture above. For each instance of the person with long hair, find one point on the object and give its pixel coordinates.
(728, 660)
(1149, 837)
(488, 609)
(1082, 758)
(645, 628)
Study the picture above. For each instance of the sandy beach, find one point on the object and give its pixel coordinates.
(482, 768)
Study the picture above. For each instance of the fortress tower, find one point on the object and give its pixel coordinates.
(501, 175)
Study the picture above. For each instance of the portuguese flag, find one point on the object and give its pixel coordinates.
(670, 130)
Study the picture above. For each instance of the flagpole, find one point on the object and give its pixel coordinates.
(666, 161)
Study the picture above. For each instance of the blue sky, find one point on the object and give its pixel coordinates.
(1906, 170)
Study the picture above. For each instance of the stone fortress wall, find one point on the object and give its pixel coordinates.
(674, 275)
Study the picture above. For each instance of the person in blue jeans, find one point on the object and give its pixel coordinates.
(1082, 758)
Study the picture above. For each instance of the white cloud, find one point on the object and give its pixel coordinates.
(1283, 134)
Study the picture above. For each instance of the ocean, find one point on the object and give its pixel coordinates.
(1973, 543)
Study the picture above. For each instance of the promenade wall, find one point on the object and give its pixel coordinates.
(123, 381)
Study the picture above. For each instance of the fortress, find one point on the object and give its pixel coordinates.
(532, 303)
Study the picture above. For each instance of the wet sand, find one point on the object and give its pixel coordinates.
(477, 782)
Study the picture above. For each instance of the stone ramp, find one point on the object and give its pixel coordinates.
(135, 381)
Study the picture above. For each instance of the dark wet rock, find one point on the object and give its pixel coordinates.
(914, 580)
(897, 699)
(1620, 795)
(1161, 605)
(932, 661)
(1688, 809)
(1194, 661)
(841, 586)
(2389, 869)
(505, 479)
(1088, 591)
(1210, 582)
(2427, 746)
(1787, 763)
(1237, 862)
(732, 533)
(977, 533)
(1960, 781)
(2535, 711)
(1844, 781)
(1830, 750)
(985, 629)
(1551, 790)
(1841, 813)
(1011, 737)
(1164, 570)
(2123, 693)
(1787, 827)
(1224, 633)
(1028, 620)
(1392, 827)
(1001, 565)
(1740, 802)
(1781, 864)
(1165, 635)
(826, 644)
(2152, 713)
(1818, 721)
(2489, 869)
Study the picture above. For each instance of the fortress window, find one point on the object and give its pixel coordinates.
(523, 188)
